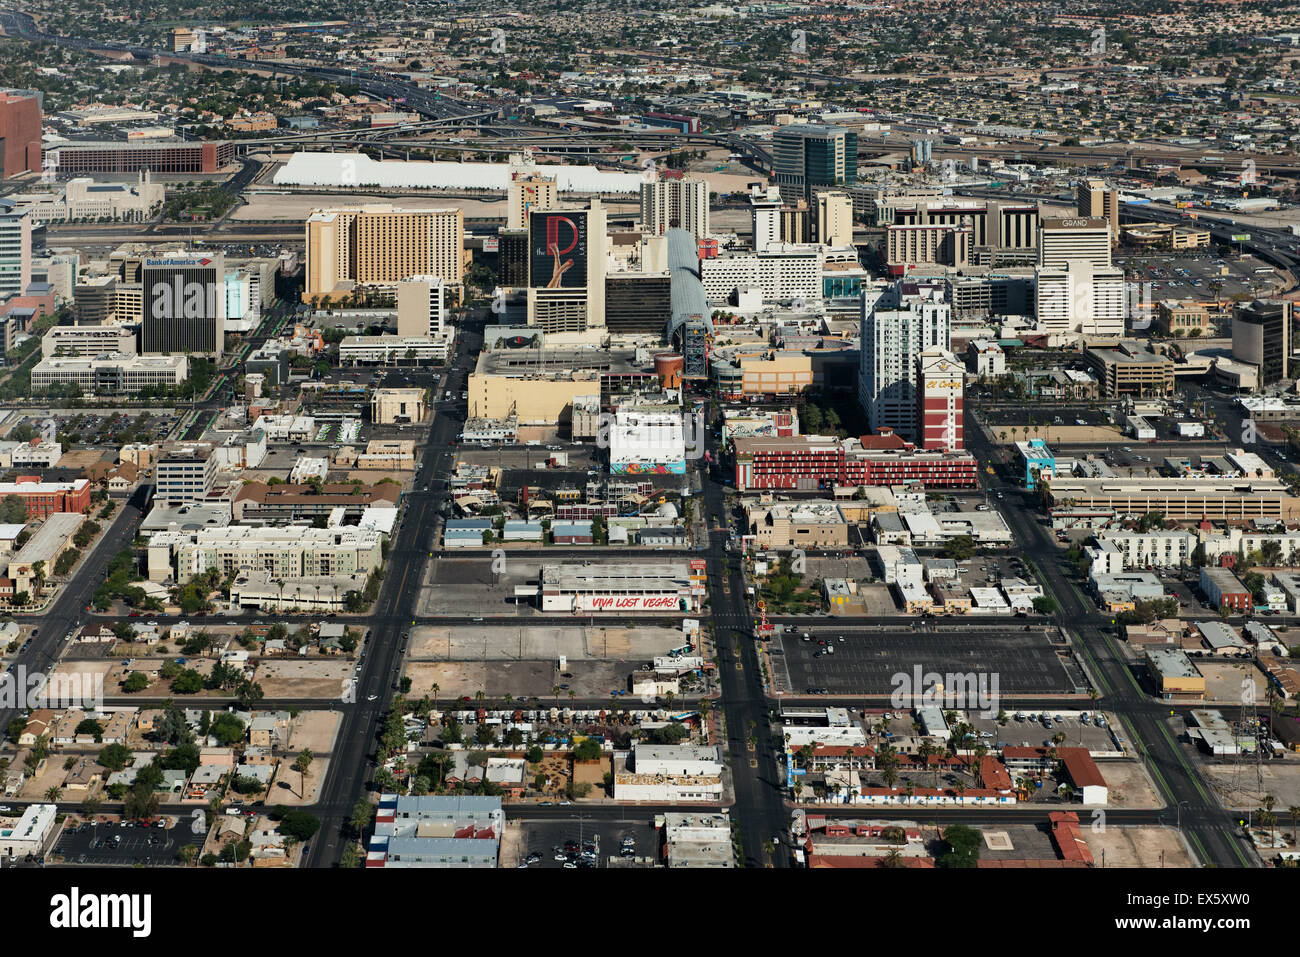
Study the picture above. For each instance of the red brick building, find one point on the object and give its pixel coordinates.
(815, 463)
(46, 498)
(80, 159)
(20, 133)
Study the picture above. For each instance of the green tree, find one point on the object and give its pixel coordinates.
(961, 847)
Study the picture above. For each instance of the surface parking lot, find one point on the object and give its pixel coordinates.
(868, 659)
(139, 845)
(605, 837)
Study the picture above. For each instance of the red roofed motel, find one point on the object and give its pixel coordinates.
(1079, 767)
(869, 844)
(820, 462)
(46, 498)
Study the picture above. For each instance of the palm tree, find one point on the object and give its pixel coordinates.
(1271, 818)
(302, 765)
(436, 689)
(892, 858)
(555, 690)
(53, 794)
(1294, 811)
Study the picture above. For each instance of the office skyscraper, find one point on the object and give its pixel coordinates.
(1261, 336)
(20, 132)
(184, 305)
(808, 155)
(15, 249)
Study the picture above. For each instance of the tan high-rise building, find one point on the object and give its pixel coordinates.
(834, 219)
(1063, 240)
(421, 307)
(1097, 200)
(380, 245)
(528, 191)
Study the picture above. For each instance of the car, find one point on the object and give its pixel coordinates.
(372, 697)
(569, 864)
(561, 857)
(5, 809)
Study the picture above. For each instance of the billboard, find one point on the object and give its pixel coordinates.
(1241, 237)
(588, 603)
(557, 246)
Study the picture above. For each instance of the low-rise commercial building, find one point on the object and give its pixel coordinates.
(444, 831)
(111, 374)
(258, 503)
(1174, 675)
(658, 587)
(45, 498)
(1223, 589)
(669, 774)
(390, 406)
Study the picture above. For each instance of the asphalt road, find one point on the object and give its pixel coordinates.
(70, 607)
(352, 763)
(759, 810)
(1209, 828)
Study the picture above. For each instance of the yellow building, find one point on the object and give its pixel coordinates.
(1174, 675)
(539, 400)
(390, 406)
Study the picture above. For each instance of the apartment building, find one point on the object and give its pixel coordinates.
(676, 203)
(282, 553)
